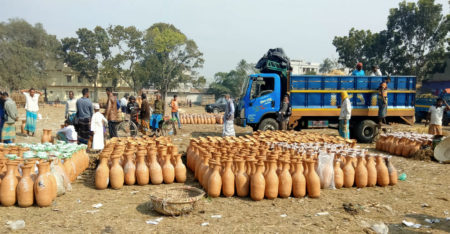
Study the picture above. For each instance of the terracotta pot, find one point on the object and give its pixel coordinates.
(361, 176)
(338, 175)
(8, 186)
(168, 170)
(382, 172)
(130, 170)
(349, 173)
(142, 171)
(402, 143)
(285, 186)
(228, 182)
(203, 168)
(25, 193)
(371, 172)
(180, 169)
(154, 168)
(69, 168)
(415, 146)
(46, 135)
(207, 174)
(214, 180)
(272, 181)
(298, 181)
(312, 181)
(116, 173)
(257, 183)
(393, 177)
(242, 180)
(102, 174)
(22, 127)
(43, 189)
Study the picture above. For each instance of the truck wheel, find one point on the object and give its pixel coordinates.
(216, 111)
(365, 131)
(268, 124)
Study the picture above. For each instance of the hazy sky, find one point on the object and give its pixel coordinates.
(226, 31)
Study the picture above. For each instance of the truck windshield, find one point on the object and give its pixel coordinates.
(262, 87)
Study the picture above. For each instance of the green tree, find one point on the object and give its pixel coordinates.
(170, 58)
(231, 82)
(26, 53)
(86, 53)
(327, 65)
(123, 64)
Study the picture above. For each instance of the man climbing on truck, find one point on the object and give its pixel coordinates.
(383, 101)
(285, 112)
(344, 116)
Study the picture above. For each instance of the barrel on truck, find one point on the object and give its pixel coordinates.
(315, 101)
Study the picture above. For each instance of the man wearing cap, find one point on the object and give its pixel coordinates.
(435, 116)
(359, 71)
(345, 115)
(97, 124)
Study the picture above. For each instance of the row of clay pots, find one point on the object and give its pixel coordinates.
(139, 161)
(201, 119)
(230, 166)
(404, 145)
(27, 187)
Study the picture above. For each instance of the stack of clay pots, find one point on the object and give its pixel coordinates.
(403, 144)
(28, 176)
(255, 166)
(201, 118)
(139, 161)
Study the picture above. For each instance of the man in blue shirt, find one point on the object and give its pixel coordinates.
(359, 71)
(83, 117)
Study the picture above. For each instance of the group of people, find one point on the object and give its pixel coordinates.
(360, 72)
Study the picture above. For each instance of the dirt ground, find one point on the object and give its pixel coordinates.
(424, 194)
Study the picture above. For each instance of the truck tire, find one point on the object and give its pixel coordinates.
(269, 124)
(365, 131)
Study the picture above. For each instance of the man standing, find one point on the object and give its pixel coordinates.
(2, 114)
(71, 108)
(174, 105)
(345, 115)
(111, 113)
(435, 116)
(359, 71)
(285, 113)
(31, 107)
(157, 113)
(376, 71)
(145, 114)
(83, 117)
(123, 103)
(11, 116)
(383, 101)
(228, 117)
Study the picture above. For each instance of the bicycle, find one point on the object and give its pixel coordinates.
(127, 127)
(166, 127)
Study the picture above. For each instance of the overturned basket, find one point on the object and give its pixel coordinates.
(177, 200)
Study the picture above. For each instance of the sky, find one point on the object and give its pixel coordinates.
(225, 31)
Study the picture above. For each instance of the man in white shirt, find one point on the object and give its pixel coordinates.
(31, 107)
(71, 107)
(123, 103)
(376, 71)
(345, 115)
(68, 133)
(435, 116)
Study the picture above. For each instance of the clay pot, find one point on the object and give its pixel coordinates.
(130, 170)
(312, 181)
(9, 184)
(203, 168)
(382, 172)
(242, 180)
(402, 143)
(116, 173)
(272, 182)
(70, 169)
(393, 177)
(22, 127)
(338, 175)
(142, 171)
(285, 186)
(298, 181)
(180, 169)
(46, 135)
(154, 168)
(207, 174)
(102, 174)
(371, 172)
(361, 176)
(43, 189)
(228, 180)
(349, 172)
(168, 170)
(257, 183)
(214, 180)
(25, 193)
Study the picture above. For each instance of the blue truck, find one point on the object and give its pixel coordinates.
(315, 101)
(423, 103)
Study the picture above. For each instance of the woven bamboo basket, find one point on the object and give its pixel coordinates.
(176, 201)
